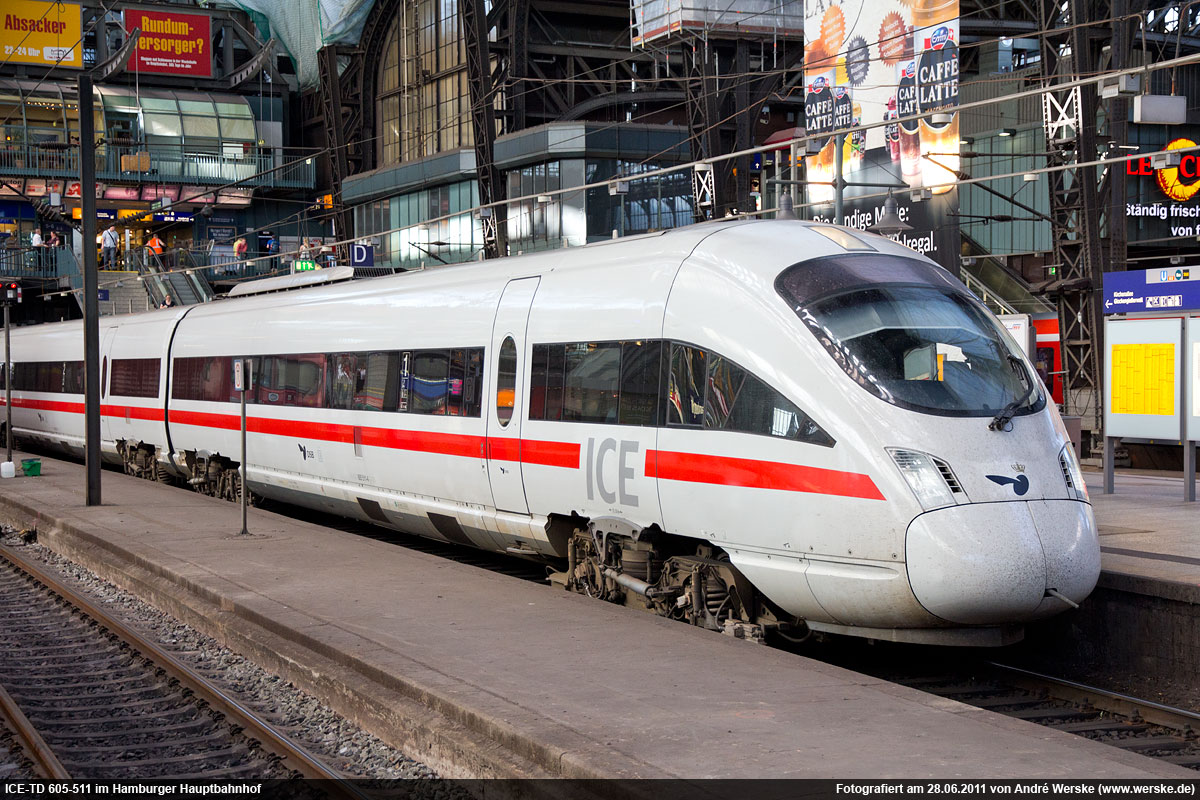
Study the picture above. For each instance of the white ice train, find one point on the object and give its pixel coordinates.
(784, 423)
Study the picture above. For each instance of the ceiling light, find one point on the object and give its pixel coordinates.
(1007, 132)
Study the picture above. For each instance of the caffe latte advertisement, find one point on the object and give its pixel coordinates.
(874, 62)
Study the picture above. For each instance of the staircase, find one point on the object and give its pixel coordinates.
(126, 293)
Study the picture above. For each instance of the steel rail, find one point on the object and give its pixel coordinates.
(30, 740)
(292, 755)
(1180, 719)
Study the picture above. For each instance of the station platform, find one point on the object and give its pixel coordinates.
(483, 675)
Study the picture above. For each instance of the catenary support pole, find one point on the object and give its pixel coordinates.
(246, 383)
(91, 295)
(1109, 472)
(839, 182)
(8, 375)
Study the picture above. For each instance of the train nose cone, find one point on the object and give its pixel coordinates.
(991, 563)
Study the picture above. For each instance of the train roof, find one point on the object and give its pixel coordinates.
(768, 246)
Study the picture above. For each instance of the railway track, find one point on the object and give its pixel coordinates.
(1129, 723)
(89, 698)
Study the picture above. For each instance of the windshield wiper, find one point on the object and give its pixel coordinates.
(1000, 421)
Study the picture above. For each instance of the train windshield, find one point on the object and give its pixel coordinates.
(912, 335)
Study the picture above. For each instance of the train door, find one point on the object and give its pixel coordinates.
(508, 377)
(106, 347)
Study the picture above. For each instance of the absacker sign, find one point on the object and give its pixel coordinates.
(171, 43)
(34, 32)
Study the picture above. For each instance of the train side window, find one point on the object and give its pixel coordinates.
(344, 382)
(204, 378)
(592, 382)
(538, 367)
(104, 377)
(456, 383)
(429, 375)
(73, 378)
(641, 372)
(292, 380)
(50, 377)
(738, 401)
(685, 391)
(381, 384)
(506, 381)
(135, 377)
(556, 379)
(473, 383)
(546, 381)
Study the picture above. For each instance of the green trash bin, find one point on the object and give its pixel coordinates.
(32, 467)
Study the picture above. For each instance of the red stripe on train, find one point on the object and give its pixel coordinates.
(130, 412)
(528, 451)
(726, 471)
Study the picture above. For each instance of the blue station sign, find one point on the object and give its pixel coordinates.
(1166, 289)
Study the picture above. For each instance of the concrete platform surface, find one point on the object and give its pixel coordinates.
(486, 675)
(1148, 531)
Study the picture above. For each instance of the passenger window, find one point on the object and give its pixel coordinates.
(506, 381)
(592, 382)
(381, 383)
(738, 401)
(292, 380)
(685, 395)
(344, 381)
(472, 383)
(538, 368)
(455, 383)
(429, 374)
(641, 372)
(131, 377)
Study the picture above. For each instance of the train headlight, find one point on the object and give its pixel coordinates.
(1072, 475)
(923, 477)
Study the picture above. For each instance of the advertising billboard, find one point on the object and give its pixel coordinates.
(878, 61)
(1163, 202)
(171, 43)
(34, 32)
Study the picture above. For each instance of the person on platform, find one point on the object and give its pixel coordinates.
(272, 250)
(240, 248)
(53, 240)
(167, 302)
(156, 246)
(35, 240)
(108, 246)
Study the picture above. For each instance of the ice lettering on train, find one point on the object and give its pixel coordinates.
(626, 452)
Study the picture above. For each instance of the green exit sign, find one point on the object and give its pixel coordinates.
(303, 266)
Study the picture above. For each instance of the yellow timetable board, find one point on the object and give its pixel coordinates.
(1143, 379)
(45, 33)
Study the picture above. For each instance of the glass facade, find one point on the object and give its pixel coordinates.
(650, 205)
(456, 239)
(560, 222)
(423, 102)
